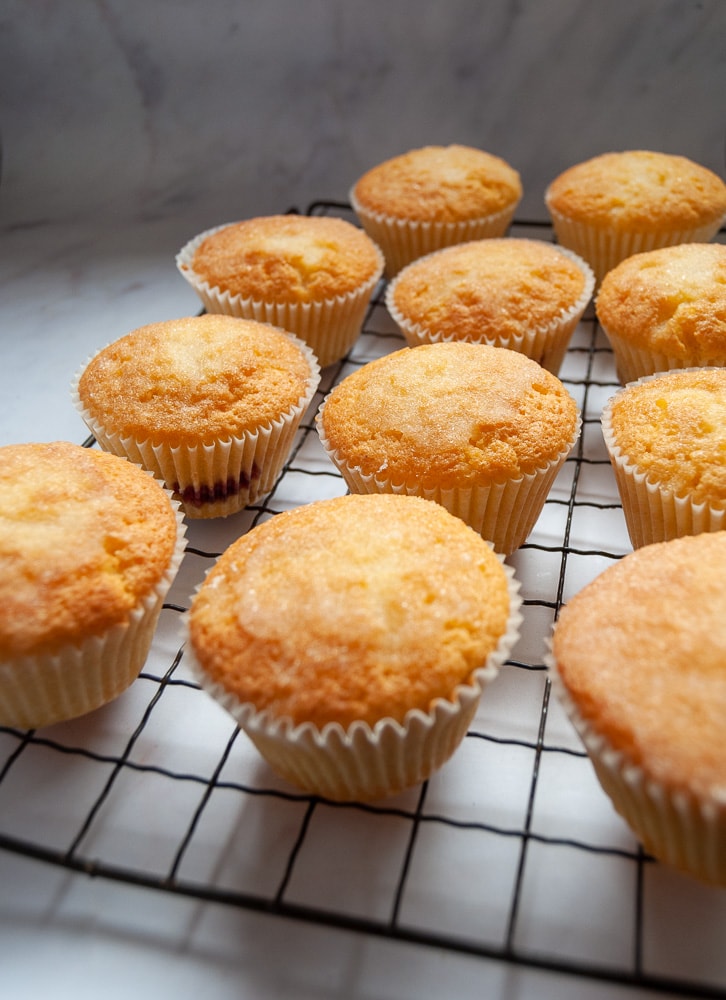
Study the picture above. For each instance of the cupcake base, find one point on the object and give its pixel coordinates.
(674, 826)
(56, 688)
(632, 362)
(653, 514)
(604, 249)
(403, 240)
(361, 764)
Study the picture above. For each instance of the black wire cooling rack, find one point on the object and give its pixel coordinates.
(511, 852)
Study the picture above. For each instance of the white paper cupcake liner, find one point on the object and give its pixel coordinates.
(218, 478)
(47, 688)
(502, 513)
(632, 362)
(403, 240)
(363, 763)
(653, 513)
(674, 825)
(546, 344)
(330, 327)
(603, 249)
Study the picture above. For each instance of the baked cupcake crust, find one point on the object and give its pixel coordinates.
(287, 258)
(84, 537)
(673, 429)
(492, 288)
(639, 190)
(450, 414)
(671, 301)
(194, 380)
(640, 650)
(439, 184)
(350, 610)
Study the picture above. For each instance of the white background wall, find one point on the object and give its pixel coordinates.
(218, 110)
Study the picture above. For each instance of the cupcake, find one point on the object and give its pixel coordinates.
(666, 437)
(527, 295)
(619, 204)
(89, 546)
(210, 404)
(638, 660)
(311, 275)
(666, 309)
(433, 197)
(363, 683)
(481, 430)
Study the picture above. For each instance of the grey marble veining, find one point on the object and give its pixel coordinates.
(129, 109)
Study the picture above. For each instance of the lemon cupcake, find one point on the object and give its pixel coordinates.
(527, 295)
(364, 683)
(666, 437)
(618, 204)
(89, 546)
(210, 404)
(311, 275)
(481, 430)
(638, 660)
(666, 309)
(429, 198)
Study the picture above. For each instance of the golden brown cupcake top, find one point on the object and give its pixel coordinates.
(671, 301)
(639, 190)
(673, 429)
(492, 288)
(450, 414)
(353, 609)
(641, 652)
(439, 184)
(195, 379)
(288, 258)
(84, 537)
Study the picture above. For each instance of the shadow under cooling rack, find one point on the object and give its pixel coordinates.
(511, 852)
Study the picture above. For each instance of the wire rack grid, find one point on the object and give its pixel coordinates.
(511, 852)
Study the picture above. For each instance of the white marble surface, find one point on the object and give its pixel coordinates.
(129, 126)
